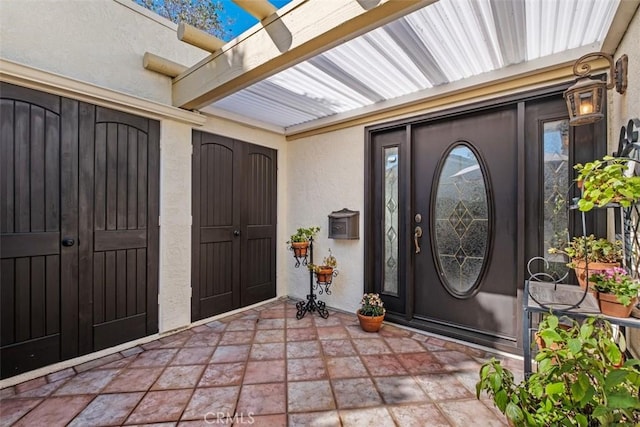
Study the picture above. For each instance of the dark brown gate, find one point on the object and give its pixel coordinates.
(234, 218)
(78, 222)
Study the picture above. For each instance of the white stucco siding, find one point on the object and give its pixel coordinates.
(95, 41)
(175, 226)
(623, 107)
(326, 173)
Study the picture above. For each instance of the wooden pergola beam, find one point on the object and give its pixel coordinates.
(162, 65)
(294, 34)
(198, 38)
(259, 9)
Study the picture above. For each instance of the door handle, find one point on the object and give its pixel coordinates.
(236, 233)
(67, 241)
(417, 233)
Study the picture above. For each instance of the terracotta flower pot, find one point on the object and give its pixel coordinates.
(581, 271)
(324, 274)
(370, 323)
(300, 249)
(610, 306)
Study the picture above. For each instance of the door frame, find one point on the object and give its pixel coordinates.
(523, 247)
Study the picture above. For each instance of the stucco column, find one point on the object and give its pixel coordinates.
(175, 226)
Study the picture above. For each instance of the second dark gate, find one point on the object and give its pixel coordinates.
(234, 224)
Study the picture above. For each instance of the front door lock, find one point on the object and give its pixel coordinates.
(417, 233)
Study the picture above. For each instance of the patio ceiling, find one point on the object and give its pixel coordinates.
(421, 54)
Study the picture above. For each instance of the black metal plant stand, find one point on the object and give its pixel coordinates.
(312, 303)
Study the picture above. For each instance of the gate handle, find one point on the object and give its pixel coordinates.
(417, 233)
(68, 242)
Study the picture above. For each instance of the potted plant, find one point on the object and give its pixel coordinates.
(582, 380)
(324, 271)
(299, 241)
(605, 181)
(590, 253)
(371, 312)
(617, 291)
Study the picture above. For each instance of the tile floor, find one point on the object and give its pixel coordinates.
(263, 367)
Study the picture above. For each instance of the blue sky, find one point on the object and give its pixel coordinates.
(242, 19)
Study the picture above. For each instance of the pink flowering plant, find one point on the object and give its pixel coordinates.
(371, 305)
(616, 281)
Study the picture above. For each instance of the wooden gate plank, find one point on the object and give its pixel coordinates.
(153, 236)
(87, 166)
(119, 239)
(131, 282)
(38, 291)
(111, 171)
(69, 228)
(6, 166)
(121, 180)
(132, 179)
(21, 159)
(22, 299)
(52, 297)
(52, 171)
(15, 245)
(121, 284)
(36, 178)
(100, 174)
(7, 298)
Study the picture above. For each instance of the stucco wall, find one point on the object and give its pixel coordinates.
(326, 173)
(175, 226)
(96, 41)
(623, 107)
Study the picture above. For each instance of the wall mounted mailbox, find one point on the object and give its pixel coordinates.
(344, 224)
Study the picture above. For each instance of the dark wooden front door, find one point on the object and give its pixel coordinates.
(234, 224)
(465, 189)
(488, 185)
(78, 222)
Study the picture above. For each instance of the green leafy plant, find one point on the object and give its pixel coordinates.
(582, 379)
(592, 249)
(371, 305)
(304, 234)
(616, 281)
(606, 181)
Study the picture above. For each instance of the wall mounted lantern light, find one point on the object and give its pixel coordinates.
(585, 99)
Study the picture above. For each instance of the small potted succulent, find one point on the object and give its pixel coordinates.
(299, 241)
(617, 291)
(371, 312)
(590, 253)
(324, 272)
(610, 180)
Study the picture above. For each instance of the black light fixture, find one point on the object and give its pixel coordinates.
(585, 99)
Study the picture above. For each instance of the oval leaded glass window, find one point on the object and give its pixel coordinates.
(461, 218)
